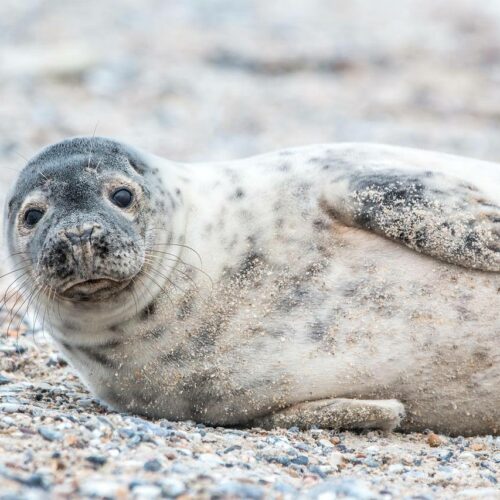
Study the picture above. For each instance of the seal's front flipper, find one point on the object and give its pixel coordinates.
(338, 414)
(427, 210)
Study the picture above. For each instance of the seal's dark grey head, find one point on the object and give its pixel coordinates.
(78, 216)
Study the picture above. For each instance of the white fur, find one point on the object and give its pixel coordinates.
(401, 324)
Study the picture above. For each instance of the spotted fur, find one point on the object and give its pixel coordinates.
(327, 273)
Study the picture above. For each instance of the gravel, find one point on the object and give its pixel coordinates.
(57, 441)
(193, 81)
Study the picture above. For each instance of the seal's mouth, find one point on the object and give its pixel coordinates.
(93, 289)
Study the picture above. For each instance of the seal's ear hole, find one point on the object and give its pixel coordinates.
(122, 197)
(32, 216)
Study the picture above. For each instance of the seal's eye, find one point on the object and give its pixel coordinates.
(122, 198)
(32, 216)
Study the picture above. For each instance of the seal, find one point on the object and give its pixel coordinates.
(348, 286)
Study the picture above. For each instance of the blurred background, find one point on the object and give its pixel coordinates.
(196, 80)
(219, 79)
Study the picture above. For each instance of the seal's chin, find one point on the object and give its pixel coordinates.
(94, 289)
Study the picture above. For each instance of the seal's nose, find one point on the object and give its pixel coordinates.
(80, 234)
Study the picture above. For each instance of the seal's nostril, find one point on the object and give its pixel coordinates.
(79, 234)
(73, 237)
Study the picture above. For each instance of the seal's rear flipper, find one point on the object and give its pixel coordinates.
(338, 414)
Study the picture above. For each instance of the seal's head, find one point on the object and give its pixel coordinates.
(78, 218)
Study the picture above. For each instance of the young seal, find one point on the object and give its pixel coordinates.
(340, 286)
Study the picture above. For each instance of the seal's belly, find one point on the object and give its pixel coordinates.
(356, 316)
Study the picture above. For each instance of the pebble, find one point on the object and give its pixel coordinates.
(153, 465)
(341, 488)
(300, 460)
(491, 478)
(320, 471)
(239, 490)
(325, 443)
(31, 481)
(50, 434)
(232, 448)
(12, 349)
(445, 455)
(396, 468)
(98, 460)
(172, 487)
(85, 402)
(370, 462)
(415, 474)
(434, 440)
(147, 491)
(283, 460)
(11, 408)
(473, 493)
(107, 489)
(4, 380)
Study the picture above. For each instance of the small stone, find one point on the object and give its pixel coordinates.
(335, 459)
(4, 380)
(491, 478)
(300, 460)
(50, 434)
(325, 443)
(286, 489)
(238, 490)
(133, 442)
(11, 408)
(316, 469)
(56, 360)
(303, 447)
(370, 462)
(467, 455)
(103, 489)
(17, 349)
(153, 465)
(34, 481)
(232, 448)
(97, 460)
(85, 402)
(478, 446)
(445, 455)
(447, 469)
(485, 493)
(396, 468)
(486, 465)
(172, 487)
(434, 440)
(335, 440)
(147, 491)
(9, 421)
(415, 474)
(135, 483)
(283, 460)
(209, 459)
(341, 488)
(126, 433)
